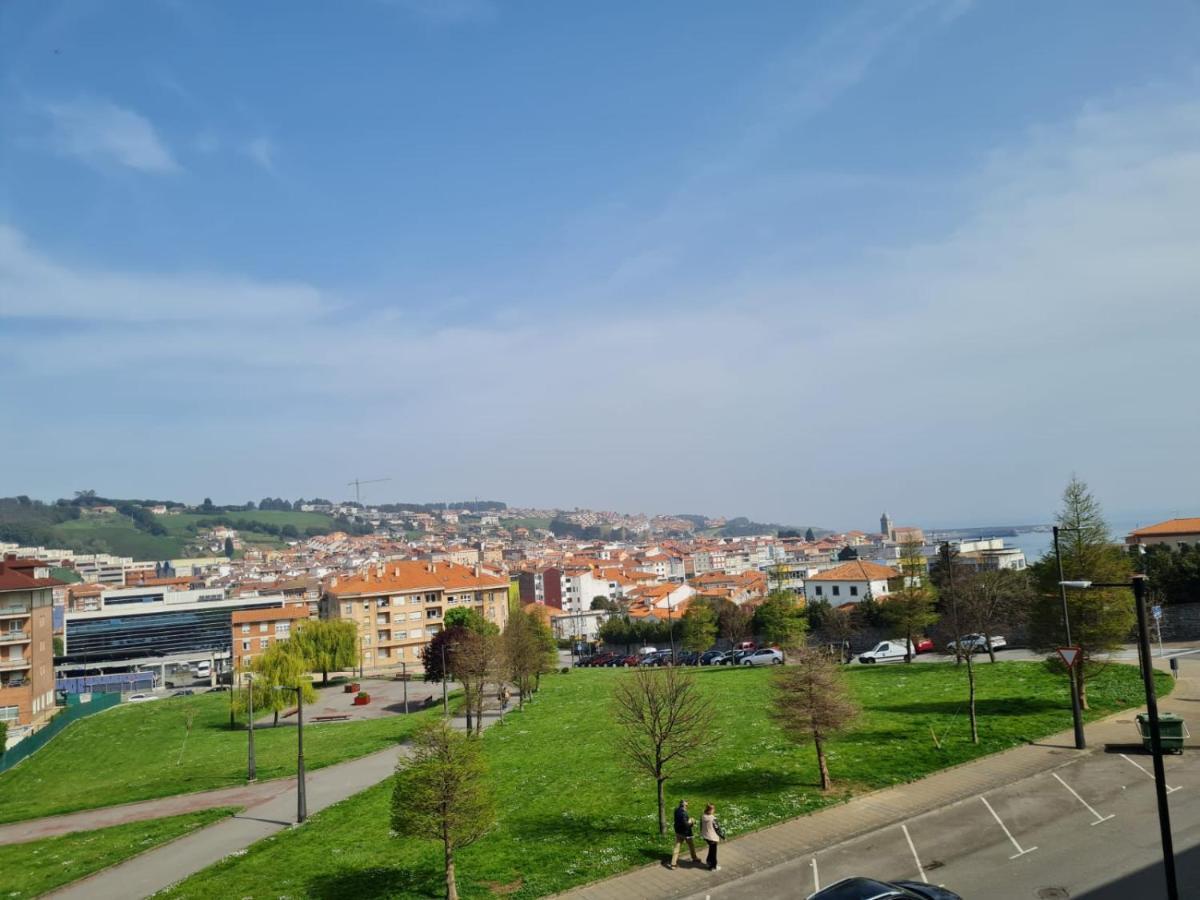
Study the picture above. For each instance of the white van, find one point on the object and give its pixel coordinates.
(886, 651)
(203, 669)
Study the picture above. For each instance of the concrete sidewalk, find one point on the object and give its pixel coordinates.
(152, 871)
(801, 837)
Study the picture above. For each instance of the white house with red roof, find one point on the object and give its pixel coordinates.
(850, 582)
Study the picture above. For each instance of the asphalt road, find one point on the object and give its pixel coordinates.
(1087, 830)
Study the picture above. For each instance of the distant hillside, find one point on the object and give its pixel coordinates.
(134, 531)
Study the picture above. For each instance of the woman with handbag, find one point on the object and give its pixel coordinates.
(713, 833)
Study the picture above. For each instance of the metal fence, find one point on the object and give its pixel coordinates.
(74, 710)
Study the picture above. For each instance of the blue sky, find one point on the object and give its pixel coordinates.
(799, 261)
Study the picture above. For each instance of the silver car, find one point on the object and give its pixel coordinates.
(764, 657)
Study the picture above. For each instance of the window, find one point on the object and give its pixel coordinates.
(818, 590)
(381, 602)
(383, 653)
(433, 613)
(245, 645)
(416, 599)
(415, 615)
(264, 643)
(246, 628)
(401, 635)
(837, 590)
(381, 619)
(346, 610)
(853, 590)
(385, 636)
(9, 713)
(262, 627)
(283, 629)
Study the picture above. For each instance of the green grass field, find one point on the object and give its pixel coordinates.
(133, 752)
(116, 533)
(569, 813)
(37, 867)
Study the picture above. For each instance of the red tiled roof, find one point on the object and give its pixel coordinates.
(1169, 527)
(17, 575)
(856, 570)
(269, 614)
(413, 575)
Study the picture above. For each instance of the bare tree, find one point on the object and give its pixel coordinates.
(952, 580)
(663, 721)
(440, 793)
(474, 662)
(995, 599)
(521, 653)
(812, 701)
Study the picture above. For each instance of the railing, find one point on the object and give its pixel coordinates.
(9, 637)
(7, 664)
(14, 610)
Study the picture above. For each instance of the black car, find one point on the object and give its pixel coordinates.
(870, 889)
(711, 657)
(186, 692)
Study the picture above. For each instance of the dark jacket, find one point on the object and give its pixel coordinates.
(683, 824)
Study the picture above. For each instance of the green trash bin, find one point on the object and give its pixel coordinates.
(1171, 732)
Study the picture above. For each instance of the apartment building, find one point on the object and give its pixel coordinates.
(398, 606)
(255, 630)
(26, 642)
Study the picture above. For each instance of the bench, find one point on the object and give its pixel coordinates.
(336, 718)
(402, 676)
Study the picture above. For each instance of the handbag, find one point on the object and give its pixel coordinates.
(718, 829)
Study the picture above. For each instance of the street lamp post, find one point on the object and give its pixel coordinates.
(1076, 705)
(251, 768)
(1160, 776)
(301, 800)
(404, 678)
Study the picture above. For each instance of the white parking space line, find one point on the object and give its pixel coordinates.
(1000, 822)
(916, 859)
(1150, 775)
(816, 877)
(1087, 806)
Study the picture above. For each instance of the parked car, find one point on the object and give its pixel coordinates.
(763, 657)
(871, 889)
(977, 643)
(687, 658)
(141, 698)
(652, 659)
(711, 657)
(886, 651)
(923, 645)
(631, 660)
(186, 692)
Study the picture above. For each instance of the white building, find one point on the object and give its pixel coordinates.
(849, 583)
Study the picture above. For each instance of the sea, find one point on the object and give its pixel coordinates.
(1037, 544)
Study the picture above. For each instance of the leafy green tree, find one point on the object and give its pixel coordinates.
(328, 645)
(58, 646)
(810, 536)
(734, 622)
(469, 618)
(616, 631)
(274, 674)
(909, 607)
(440, 793)
(527, 651)
(699, 627)
(868, 613)
(780, 620)
(602, 602)
(3, 737)
(1174, 574)
(229, 547)
(1101, 619)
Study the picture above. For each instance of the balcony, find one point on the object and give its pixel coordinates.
(12, 665)
(14, 637)
(8, 612)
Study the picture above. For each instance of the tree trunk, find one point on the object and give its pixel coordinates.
(324, 678)
(987, 639)
(822, 765)
(662, 813)
(971, 700)
(276, 723)
(451, 883)
(908, 647)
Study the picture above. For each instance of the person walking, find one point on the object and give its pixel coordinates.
(711, 831)
(505, 694)
(684, 831)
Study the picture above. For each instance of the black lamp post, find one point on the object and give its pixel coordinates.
(301, 801)
(251, 768)
(1160, 776)
(1076, 705)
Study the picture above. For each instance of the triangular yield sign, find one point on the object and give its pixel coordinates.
(1069, 655)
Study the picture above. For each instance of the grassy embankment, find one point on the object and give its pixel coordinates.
(136, 751)
(38, 867)
(570, 813)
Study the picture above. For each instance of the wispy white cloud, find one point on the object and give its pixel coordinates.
(103, 134)
(1055, 315)
(449, 12)
(261, 151)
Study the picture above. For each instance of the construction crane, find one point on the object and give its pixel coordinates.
(358, 482)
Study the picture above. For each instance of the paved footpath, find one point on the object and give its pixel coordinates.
(157, 869)
(799, 838)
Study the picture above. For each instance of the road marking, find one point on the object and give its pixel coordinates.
(1150, 775)
(916, 859)
(1000, 822)
(1099, 818)
(816, 878)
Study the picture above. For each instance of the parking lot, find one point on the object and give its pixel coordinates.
(1088, 829)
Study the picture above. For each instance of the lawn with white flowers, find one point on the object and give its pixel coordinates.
(570, 812)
